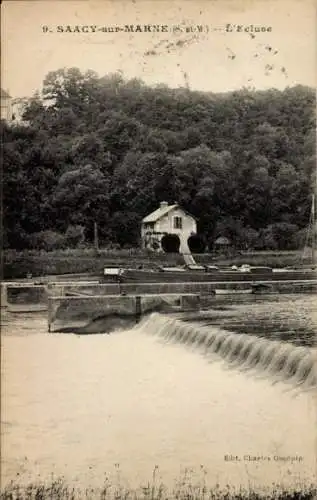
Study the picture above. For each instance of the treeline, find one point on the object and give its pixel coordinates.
(108, 150)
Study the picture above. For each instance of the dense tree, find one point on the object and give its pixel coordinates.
(108, 150)
(196, 243)
(82, 196)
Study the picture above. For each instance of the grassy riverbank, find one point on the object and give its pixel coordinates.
(59, 490)
(18, 265)
(40, 263)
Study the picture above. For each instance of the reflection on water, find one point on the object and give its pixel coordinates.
(78, 405)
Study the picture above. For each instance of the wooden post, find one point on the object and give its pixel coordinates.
(313, 244)
(138, 308)
(190, 302)
(49, 312)
(4, 295)
(49, 306)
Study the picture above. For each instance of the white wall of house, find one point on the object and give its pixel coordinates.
(6, 108)
(176, 221)
(170, 224)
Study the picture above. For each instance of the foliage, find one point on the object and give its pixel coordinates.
(47, 240)
(189, 486)
(196, 243)
(74, 236)
(106, 150)
(62, 261)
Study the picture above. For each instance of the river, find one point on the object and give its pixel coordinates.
(227, 397)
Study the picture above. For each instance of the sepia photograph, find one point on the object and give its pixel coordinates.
(158, 250)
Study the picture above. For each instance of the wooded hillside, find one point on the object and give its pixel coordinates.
(109, 150)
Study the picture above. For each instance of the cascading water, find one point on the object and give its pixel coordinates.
(142, 396)
(280, 360)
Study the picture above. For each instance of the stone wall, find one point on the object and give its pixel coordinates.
(77, 311)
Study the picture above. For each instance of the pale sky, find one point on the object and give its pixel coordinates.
(216, 60)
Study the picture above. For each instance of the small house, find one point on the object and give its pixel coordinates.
(167, 219)
(6, 106)
(222, 244)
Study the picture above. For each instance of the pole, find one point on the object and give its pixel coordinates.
(49, 313)
(4, 295)
(313, 218)
(138, 308)
(96, 243)
(49, 306)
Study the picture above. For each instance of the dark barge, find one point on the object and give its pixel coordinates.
(205, 274)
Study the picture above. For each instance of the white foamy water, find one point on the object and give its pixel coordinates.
(78, 405)
(283, 361)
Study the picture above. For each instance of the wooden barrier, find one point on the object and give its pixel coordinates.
(201, 287)
(4, 296)
(38, 293)
(13, 294)
(92, 288)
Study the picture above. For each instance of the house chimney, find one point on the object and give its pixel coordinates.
(163, 204)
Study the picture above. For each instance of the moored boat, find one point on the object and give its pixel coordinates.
(174, 275)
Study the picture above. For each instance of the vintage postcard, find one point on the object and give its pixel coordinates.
(158, 294)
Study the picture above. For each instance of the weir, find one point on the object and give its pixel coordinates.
(265, 358)
(158, 309)
(24, 296)
(33, 296)
(202, 287)
(92, 307)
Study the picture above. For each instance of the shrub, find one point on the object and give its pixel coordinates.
(155, 245)
(248, 238)
(47, 240)
(196, 243)
(280, 236)
(75, 235)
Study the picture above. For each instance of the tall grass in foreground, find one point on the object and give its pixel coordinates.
(183, 490)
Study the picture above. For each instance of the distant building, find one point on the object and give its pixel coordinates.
(222, 244)
(167, 219)
(18, 107)
(6, 106)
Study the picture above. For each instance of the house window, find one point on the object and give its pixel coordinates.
(178, 223)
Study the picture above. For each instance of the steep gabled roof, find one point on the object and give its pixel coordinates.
(158, 213)
(161, 211)
(222, 240)
(5, 94)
